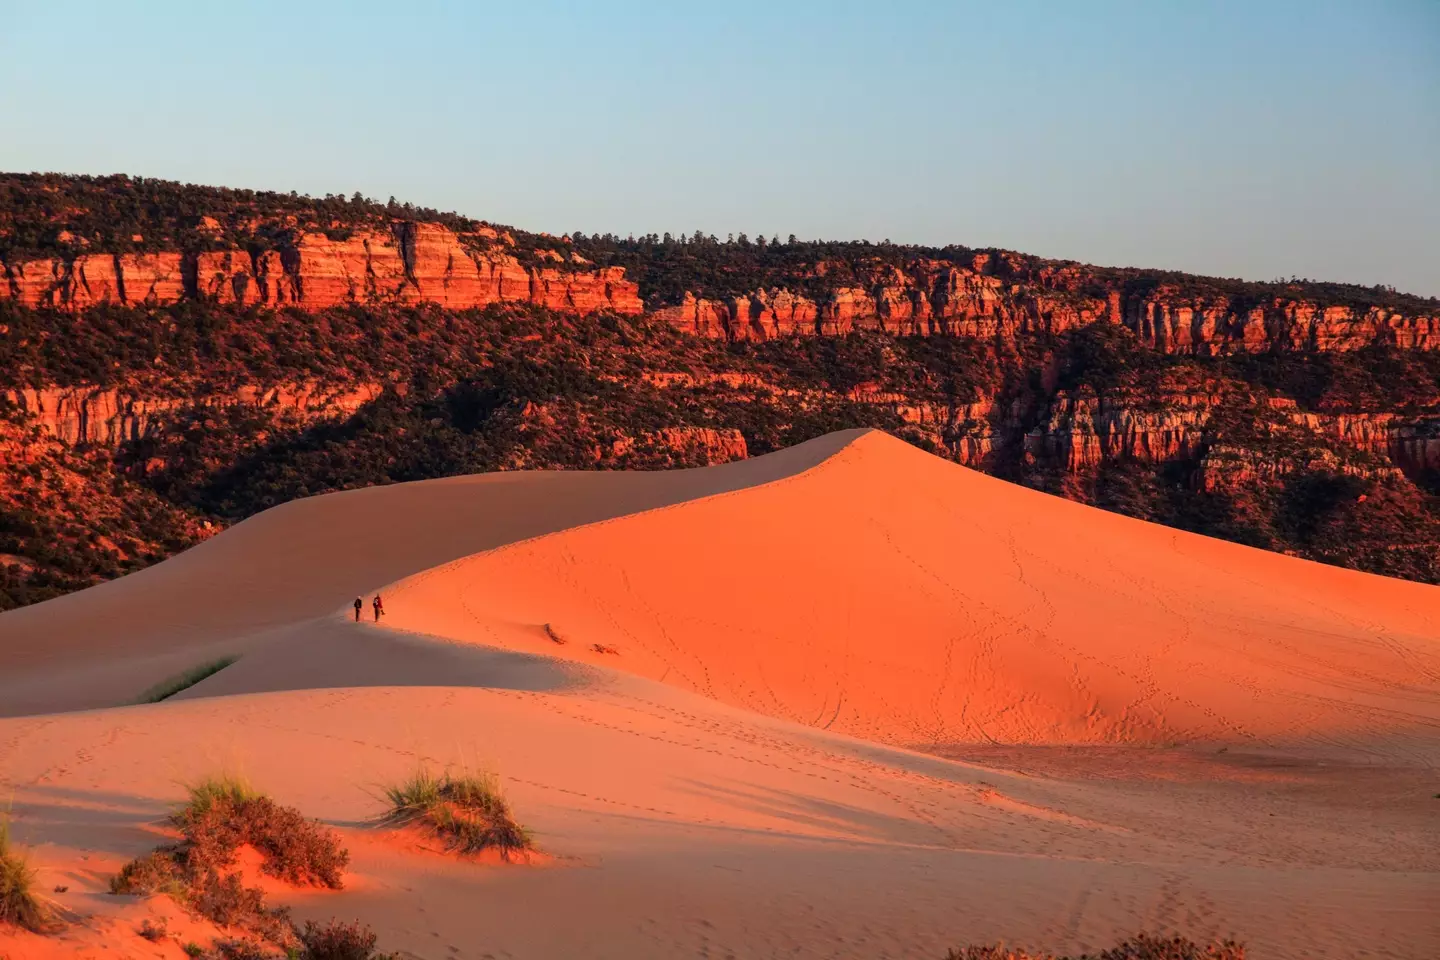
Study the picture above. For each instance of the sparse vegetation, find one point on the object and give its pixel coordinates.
(339, 941)
(19, 904)
(221, 815)
(169, 687)
(468, 812)
(1142, 947)
(152, 931)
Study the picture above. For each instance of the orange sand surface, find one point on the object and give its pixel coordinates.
(847, 700)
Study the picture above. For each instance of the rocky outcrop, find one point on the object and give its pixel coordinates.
(1080, 432)
(109, 418)
(408, 263)
(1218, 326)
(993, 298)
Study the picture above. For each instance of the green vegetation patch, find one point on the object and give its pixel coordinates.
(183, 681)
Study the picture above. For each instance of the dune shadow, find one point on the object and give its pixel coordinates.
(813, 813)
(93, 821)
(327, 653)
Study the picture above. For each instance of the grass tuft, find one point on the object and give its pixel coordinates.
(182, 681)
(225, 789)
(469, 812)
(19, 906)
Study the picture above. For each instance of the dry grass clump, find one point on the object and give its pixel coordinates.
(19, 905)
(222, 815)
(468, 812)
(1142, 947)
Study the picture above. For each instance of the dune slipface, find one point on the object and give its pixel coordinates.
(702, 690)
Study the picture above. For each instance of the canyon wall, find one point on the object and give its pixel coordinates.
(989, 299)
(107, 417)
(409, 263)
(1078, 433)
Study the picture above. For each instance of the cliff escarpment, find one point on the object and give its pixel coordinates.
(175, 358)
(404, 262)
(1009, 296)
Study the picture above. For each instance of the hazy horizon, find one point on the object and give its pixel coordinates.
(1255, 141)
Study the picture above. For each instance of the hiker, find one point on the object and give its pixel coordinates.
(379, 608)
(358, 606)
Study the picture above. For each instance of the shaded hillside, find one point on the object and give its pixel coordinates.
(195, 408)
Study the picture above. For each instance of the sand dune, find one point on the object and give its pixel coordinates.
(307, 558)
(734, 779)
(898, 597)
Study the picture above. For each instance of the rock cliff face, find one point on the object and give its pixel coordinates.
(993, 298)
(1079, 432)
(109, 418)
(410, 263)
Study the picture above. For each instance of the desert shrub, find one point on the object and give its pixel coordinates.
(156, 872)
(152, 931)
(19, 906)
(338, 941)
(229, 903)
(238, 950)
(222, 815)
(468, 812)
(181, 681)
(1142, 947)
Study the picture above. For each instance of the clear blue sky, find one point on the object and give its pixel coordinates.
(1255, 139)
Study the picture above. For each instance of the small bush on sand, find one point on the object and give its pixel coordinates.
(19, 905)
(152, 931)
(221, 816)
(1142, 947)
(224, 815)
(240, 950)
(338, 941)
(467, 812)
(170, 686)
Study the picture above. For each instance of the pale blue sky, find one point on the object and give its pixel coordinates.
(1254, 139)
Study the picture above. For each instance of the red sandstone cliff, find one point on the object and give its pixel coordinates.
(410, 263)
(108, 417)
(989, 299)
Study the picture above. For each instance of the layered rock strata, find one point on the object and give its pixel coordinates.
(410, 263)
(937, 297)
(108, 418)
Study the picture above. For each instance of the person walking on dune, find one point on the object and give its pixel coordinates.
(379, 608)
(358, 605)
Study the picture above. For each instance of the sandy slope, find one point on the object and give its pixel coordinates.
(895, 596)
(685, 786)
(307, 558)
